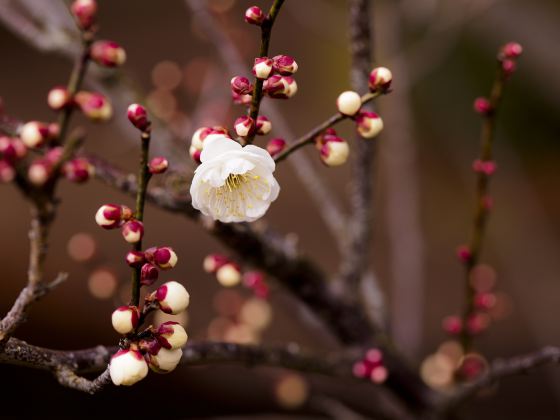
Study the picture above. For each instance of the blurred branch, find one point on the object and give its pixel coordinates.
(501, 369)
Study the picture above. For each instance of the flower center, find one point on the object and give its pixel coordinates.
(238, 193)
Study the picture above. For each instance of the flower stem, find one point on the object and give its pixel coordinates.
(266, 31)
(478, 229)
(309, 137)
(142, 186)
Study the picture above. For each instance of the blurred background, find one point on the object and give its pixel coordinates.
(442, 55)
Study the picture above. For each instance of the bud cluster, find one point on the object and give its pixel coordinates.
(229, 274)
(371, 367)
(507, 57)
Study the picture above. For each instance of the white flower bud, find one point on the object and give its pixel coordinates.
(262, 67)
(229, 275)
(34, 133)
(263, 125)
(369, 124)
(125, 319)
(127, 367)
(172, 335)
(173, 298)
(349, 103)
(380, 78)
(59, 98)
(335, 152)
(244, 126)
(164, 361)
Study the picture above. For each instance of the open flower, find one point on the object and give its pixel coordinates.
(234, 183)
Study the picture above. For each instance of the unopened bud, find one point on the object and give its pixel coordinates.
(78, 170)
(172, 335)
(127, 367)
(241, 85)
(173, 298)
(512, 50)
(244, 126)
(7, 171)
(241, 99)
(508, 67)
(158, 165)
(125, 319)
(59, 98)
(335, 152)
(229, 275)
(280, 87)
(94, 105)
(35, 133)
(254, 15)
(482, 106)
(380, 78)
(478, 323)
(39, 172)
(349, 103)
(108, 53)
(195, 153)
(164, 361)
(138, 116)
(486, 167)
(324, 137)
(464, 253)
(110, 216)
(213, 262)
(484, 301)
(133, 231)
(284, 65)
(84, 12)
(452, 325)
(275, 146)
(263, 125)
(164, 257)
(148, 274)
(262, 67)
(135, 258)
(369, 124)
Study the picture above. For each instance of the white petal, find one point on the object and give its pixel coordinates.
(259, 151)
(215, 146)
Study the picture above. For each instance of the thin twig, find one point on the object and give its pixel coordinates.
(266, 32)
(310, 136)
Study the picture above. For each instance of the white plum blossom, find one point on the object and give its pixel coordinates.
(233, 183)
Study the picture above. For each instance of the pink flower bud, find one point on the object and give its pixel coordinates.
(335, 152)
(280, 87)
(110, 216)
(472, 366)
(148, 274)
(263, 125)
(379, 374)
(508, 67)
(39, 172)
(464, 253)
(158, 165)
(54, 155)
(253, 278)
(172, 335)
(164, 257)
(380, 78)
(85, 12)
(9, 150)
(241, 99)
(486, 167)
(125, 319)
(7, 171)
(512, 50)
(229, 275)
(284, 65)
(254, 15)
(164, 361)
(78, 170)
(213, 262)
(324, 137)
(127, 367)
(244, 126)
(369, 124)
(133, 231)
(349, 103)
(94, 105)
(262, 67)
(195, 153)
(138, 116)
(135, 258)
(241, 85)
(484, 301)
(19, 148)
(202, 133)
(59, 98)
(173, 298)
(35, 133)
(478, 323)
(275, 146)
(108, 53)
(482, 106)
(452, 325)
